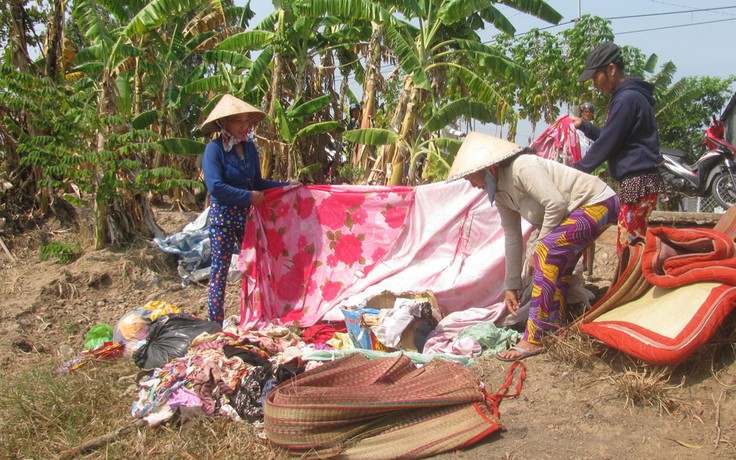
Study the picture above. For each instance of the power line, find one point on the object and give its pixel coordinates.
(672, 4)
(670, 12)
(640, 16)
(673, 27)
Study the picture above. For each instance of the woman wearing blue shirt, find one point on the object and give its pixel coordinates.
(232, 174)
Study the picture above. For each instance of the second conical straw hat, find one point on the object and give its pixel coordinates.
(479, 151)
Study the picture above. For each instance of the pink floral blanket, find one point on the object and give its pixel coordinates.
(310, 249)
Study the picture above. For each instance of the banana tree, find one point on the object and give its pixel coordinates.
(441, 51)
(131, 53)
(293, 125)
(294, 61)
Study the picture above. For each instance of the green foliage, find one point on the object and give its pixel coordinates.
(61, 252)
(685, 108)
(181, 146)
(142, 75)
(372, 136)
(350, 173)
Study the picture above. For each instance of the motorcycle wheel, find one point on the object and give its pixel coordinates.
(724, 190)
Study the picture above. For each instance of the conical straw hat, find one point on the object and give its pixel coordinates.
(230, 105)
(479, 151)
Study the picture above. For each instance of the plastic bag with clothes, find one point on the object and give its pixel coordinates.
(131, 330)
(169, 337)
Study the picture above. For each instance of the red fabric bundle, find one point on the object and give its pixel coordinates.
(676, 257)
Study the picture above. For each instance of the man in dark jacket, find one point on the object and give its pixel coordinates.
(628, 142)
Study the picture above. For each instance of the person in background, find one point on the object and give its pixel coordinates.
(586, 112)
(232, 174)
(629, 141)
(355, 112)
(570, 209)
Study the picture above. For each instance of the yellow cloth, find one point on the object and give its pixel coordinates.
(340, 341)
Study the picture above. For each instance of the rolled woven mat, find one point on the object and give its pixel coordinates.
(628, 284)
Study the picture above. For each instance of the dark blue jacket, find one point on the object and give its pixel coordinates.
(629, 140)
(229, 178)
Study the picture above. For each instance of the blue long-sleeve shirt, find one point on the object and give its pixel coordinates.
(629, 141)
(231, 179)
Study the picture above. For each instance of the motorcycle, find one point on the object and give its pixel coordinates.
(714, 173)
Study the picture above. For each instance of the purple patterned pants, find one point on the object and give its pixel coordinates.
(554, 259)
(227, 226)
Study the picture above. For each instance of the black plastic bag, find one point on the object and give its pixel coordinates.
(169, 337)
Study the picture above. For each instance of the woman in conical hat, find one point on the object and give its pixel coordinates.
(232, 174)
(568, 207)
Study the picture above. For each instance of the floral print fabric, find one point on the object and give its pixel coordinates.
(306, 245)
(310, 249)
(633, 221)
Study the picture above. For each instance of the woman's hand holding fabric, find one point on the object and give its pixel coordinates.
(512, 300)
(256, 198)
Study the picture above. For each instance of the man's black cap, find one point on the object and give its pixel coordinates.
(603, 55)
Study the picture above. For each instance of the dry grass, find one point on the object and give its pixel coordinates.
(45, 415)
(648, 387)
(577, 350)
(638, 383)
(65, 287)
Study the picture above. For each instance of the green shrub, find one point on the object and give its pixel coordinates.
(61, 252)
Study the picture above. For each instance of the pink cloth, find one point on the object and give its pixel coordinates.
(445, 337)
(559, 142)
(310, 249)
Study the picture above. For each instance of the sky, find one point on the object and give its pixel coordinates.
(693, 41)
(697, 42)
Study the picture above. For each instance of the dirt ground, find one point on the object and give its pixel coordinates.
(578, 406)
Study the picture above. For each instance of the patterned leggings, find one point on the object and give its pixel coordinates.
(633, 220)
(554, 259)
(227, 226)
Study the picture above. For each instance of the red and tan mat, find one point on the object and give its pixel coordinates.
(671, 295)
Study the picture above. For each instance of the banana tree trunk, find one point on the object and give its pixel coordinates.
(54, 40)
(372, 83)
(401, 153)
(267, 155)
(380, 166)
(101, 204)
(99, 210)
(17, 43)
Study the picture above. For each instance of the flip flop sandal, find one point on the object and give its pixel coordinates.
(524, 354)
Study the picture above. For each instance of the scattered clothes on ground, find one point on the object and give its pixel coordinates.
(223, 375)
(105, 352)
(453, 335)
